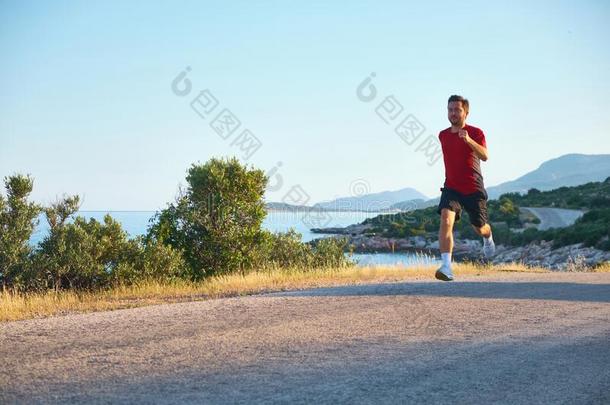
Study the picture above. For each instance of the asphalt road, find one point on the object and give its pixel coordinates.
(554, 217)
(515, 338)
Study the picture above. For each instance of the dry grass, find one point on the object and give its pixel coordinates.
(603, 268)
(25, 306)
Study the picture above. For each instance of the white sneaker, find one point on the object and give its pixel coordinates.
(444, 273)
(489, 248)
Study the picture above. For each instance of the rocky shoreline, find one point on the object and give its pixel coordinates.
(539, 253)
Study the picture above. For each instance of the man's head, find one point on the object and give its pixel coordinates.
(457, 110)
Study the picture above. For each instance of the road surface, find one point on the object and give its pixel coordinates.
(515, 338)
(554, 217)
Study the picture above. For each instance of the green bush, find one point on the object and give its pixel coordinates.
(330, 252)
(17, 222)
(286, 250)
(87, 254)
(504, 210)
(80, 254)
(216, 222)
(150, 260)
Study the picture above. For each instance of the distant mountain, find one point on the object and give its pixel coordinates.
(280, 206)
(567, 170)
(374, 201)
(414, 204)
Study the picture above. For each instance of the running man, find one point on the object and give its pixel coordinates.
(463, 148)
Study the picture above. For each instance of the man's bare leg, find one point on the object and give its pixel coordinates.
(489, 247)
(445, 244)
(483, 231)
(445, 233)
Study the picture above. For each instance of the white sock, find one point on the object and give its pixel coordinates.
(446, 257)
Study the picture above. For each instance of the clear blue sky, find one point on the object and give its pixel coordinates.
(86, 105)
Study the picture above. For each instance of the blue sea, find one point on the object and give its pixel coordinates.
(136, 223)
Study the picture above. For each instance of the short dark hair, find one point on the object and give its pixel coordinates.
(464, 101)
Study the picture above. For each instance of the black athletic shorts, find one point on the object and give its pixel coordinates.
(475, 205)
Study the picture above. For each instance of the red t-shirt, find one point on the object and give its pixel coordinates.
(462, 166)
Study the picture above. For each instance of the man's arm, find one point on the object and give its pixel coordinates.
(479, 150)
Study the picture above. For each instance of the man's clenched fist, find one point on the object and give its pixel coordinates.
(464, 135)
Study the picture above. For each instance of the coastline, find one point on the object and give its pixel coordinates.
(537, 253)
